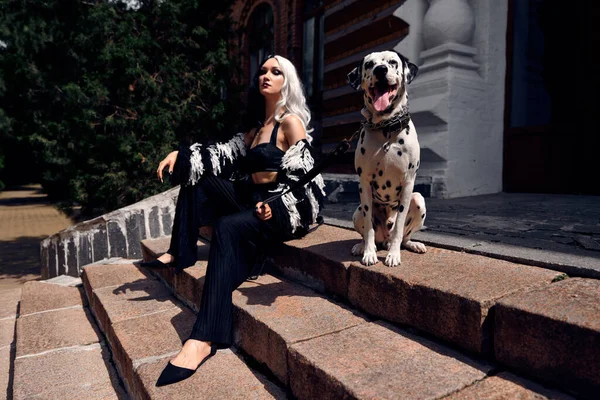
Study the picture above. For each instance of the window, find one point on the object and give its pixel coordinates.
(313, 44)
(261, 36)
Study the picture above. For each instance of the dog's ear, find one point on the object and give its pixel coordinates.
(355, 76)
(410, 69)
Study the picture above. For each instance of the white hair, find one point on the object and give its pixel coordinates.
(292, 96)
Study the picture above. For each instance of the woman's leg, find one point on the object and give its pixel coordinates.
(237, 239)
(233, 250)
(197, 206)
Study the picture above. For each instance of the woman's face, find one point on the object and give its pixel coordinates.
(270, 79)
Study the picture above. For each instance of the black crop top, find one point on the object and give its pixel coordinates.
(264, 156)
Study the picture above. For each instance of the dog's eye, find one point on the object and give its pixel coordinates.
(394, 63)
(369, 65)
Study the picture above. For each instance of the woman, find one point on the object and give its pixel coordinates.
(222, 186)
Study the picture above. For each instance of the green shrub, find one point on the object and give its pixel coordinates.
(101, 93)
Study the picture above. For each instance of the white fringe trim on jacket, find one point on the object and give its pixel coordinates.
(229, 150)
(196, 166)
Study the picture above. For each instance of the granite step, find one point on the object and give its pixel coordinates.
(320, 348)
(60, 352)
(145, 326)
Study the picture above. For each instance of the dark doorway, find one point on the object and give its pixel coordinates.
(552, 103)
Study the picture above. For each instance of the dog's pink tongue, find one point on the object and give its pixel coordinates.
(382, 100)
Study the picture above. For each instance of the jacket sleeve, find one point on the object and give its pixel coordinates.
(303, 204)
(220, 159)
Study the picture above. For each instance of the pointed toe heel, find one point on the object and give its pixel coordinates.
(173, 374)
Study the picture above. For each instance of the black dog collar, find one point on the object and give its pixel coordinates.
(394, 124)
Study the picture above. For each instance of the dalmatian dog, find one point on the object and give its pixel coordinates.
(387, 159)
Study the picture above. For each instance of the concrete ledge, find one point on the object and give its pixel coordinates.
(116, 234)
(553, 333)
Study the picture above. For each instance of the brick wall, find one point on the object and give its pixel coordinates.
(287, 19)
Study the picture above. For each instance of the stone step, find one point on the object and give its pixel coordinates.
(445, 293)
(553, 333)
(9, 305)
(59, 350)
(322, 349)
(145, 327)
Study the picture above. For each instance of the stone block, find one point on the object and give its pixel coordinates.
(167, 221)
(72, 261)
(553, 333)
(62, 257)
(7, 332)
(136, 232)
(42, 296)
(224, 376)
(9, 302)
(189, 283)
(154, 223)
(53, 330)
(79, 373)
(506, 386)
(85, 250)
(116, 239)
(100, 242)
(270, 315)
(44, 254)
(152, 248)
(446, 293)
(100, 276)
(139, 340)
(52, 260)
(320, 260)
(5, 369)
(130, 300)
(376, 360)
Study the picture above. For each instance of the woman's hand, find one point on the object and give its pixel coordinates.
(169, 161)
(263, 212)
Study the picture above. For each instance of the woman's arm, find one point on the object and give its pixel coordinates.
(219, 159)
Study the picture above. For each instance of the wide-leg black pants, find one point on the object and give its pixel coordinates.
(237, 246)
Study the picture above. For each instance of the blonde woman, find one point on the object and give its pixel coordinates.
(223, 186)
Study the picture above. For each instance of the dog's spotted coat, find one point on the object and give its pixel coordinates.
(386, 161)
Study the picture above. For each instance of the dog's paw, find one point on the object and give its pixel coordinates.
(370, 258)
(393, 259)
(415, 247)
(358, 249)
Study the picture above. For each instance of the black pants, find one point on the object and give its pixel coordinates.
(237, 246)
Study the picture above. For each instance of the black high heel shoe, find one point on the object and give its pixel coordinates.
(156, 264)
(173, 374)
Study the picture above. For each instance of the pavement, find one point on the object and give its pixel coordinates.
(26, 217)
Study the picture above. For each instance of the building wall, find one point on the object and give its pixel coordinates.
(457, 101)
(287, 24)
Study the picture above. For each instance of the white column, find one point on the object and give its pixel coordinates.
(453, 107)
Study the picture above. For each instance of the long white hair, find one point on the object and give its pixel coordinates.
(292, 100)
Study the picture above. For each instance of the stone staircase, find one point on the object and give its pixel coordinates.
(60, 353)
(319, 325)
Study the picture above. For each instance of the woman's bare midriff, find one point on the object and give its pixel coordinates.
(263, 177)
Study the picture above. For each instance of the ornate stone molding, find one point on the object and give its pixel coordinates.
(448, 21)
